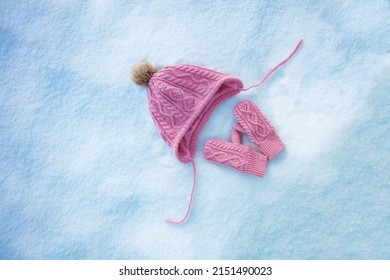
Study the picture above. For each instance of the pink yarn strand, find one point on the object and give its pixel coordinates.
(190, 201)
(276, 67)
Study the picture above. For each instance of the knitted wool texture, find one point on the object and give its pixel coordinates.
(235, 155)
(252, 122)
(242, 157)
(182, 98)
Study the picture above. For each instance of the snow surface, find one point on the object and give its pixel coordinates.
(85, 175)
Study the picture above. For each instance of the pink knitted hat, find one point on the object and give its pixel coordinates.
(182, 98)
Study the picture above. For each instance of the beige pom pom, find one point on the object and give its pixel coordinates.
(142, 72)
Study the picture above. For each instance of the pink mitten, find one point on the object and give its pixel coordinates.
(240, 157)
(252, 122)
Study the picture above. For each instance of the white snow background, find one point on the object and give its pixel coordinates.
(84, 173)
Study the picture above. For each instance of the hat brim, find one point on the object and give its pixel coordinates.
(185, 142)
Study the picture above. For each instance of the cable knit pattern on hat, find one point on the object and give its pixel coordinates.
(235, 155)
(182, 98)
(263, 135)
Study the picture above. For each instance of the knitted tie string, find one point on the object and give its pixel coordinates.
(276, 67)
(190, 201)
